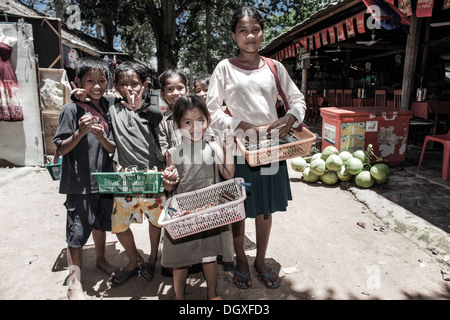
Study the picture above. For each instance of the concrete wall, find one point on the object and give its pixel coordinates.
(21, 143)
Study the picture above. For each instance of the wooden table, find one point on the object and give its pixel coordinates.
(430, 109)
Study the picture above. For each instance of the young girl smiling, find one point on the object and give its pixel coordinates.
(194, 163)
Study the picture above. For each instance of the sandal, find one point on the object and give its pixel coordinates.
(147, 270)
(123, 276)
(268, 277)
(243, 276)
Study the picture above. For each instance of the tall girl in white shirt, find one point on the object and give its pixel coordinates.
(247, 86)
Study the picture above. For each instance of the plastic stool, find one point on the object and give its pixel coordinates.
(445, 140)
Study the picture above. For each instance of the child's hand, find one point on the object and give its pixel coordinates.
(97, 130)
(170, 175)
(134, 101)
(84, 124)
(79, 93)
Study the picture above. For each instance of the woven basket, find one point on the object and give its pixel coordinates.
(206, 219)
(282, 152)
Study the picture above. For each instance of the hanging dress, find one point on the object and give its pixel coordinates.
(10, 107)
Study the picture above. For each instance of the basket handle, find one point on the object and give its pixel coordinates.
(244, 184)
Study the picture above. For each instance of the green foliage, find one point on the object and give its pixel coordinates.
(178, 32)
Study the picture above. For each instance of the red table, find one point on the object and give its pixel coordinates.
(425, 109)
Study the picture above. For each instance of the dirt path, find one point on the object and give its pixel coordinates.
(321, 235)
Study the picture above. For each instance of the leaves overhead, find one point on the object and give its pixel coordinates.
(181, 33)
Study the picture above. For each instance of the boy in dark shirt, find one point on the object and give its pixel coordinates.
(85, 140)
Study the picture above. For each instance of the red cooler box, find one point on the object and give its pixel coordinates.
(355, 128)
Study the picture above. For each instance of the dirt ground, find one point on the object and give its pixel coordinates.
(333, 245)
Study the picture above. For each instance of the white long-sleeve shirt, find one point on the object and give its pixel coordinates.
(250, 95)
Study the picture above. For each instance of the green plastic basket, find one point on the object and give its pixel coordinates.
(129, 182)
(54, 169)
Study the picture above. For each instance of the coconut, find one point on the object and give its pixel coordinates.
(328, 151)
(316, 156)
(343, 174)
(364, 179)
(298, 164)
(360, 154)
(318, 167)
(329, 177)
(333, 162)
(380, 171)
(354, 166)
(345, 155)
(309, 176)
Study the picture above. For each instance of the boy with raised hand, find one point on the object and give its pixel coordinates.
(135, 123)
(85, 140)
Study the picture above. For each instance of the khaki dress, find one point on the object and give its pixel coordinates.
(197, 169)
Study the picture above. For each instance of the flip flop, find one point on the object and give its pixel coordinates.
(147, 270)
(123, 276)
(268, 277)
(243, 276)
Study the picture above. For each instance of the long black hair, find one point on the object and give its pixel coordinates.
(170, 73)
(251, 12)
(186, 103)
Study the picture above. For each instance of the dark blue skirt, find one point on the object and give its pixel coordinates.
(270, 189)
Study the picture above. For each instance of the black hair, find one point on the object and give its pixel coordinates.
(203, 79)
(251, 12)
(141, 70)
(89, 63)
(170, 73)
(187, 103)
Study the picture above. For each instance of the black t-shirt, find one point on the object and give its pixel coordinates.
(88, 156)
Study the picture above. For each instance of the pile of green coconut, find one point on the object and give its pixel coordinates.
(332, 166)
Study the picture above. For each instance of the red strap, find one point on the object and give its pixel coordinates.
(273, 68)
(94, 112)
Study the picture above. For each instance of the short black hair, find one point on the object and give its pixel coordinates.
(186, 103)
(89, 63)
(141, 70)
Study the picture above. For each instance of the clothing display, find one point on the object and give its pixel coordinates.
(10, 105)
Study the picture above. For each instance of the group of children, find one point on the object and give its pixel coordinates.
(190, 154)
(97, 134)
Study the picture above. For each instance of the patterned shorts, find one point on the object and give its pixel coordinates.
(131, 208)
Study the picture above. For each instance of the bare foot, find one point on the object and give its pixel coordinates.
(106, 267)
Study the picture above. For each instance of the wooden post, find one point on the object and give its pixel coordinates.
(409, 69)
(304, 81)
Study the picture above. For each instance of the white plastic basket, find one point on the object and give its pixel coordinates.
(205, 219)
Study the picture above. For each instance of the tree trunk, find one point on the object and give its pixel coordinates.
(209, 63)
(60, 5)
(409, 69)
(165, 44)
(109, 31)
